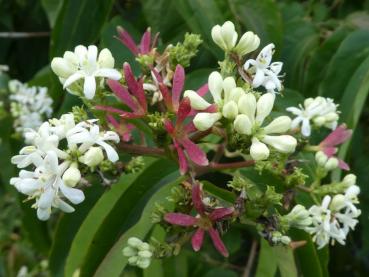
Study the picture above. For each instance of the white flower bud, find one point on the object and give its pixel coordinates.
(229, 84)
(143, 263)
(235, 94)
(248, 43)
(144, 254)
(321, 158)
(133, 260)
(134, 242)
(331, 117)
(230, 110)
(215, 83)
(283, 143)
(279, 125)
(331, 164)
(197, 102)
(242, 124)
(72, 176)
(308, 101)
(106, 59)
(247, 105)
(129, 251)
(225, 36)
(264, 106)
(258, 150)
(61, 67)
(204, 121)
(319, 121)
(299, 217)
(93, 157)
(349, 180)
(337, 203)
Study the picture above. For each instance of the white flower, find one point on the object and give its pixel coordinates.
(88, 134)
(320, 111)
(85, 63)
(29, 105)
(249, 122)
(225, 37)
(139, 253)
(45, 184)
(298, 217)
(264, 72)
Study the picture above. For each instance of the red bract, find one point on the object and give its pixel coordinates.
(171, 97)
(134, 97)
(145, 46)
(335, 138)
(204, 222)
(122, 128)
(179, 134)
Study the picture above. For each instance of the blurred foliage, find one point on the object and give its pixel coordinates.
(325, 49)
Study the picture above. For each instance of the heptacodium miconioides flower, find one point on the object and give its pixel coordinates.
(84, 64)
(204, 221)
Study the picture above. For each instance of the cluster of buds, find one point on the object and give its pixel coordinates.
(29, 106)
(139, 253)
(54, 173)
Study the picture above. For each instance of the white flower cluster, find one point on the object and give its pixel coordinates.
(84, 63)
(30, 106)
(262, 70)
(333, 219)
(54, 172)
(139, 253)
(320, 111)
(247, 113)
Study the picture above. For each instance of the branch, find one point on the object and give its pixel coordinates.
(141, 150)
(23, 34)
(250, 261)
(200, 170)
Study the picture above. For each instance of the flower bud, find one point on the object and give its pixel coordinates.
(331, 164)
(319, 121)
(215, 83)
(283, 143)
(72, 176)
(144, 254)
(106, 59)
(331, 117)
(134, 242)
(279, 125)
(247, 105)
(337, 203)
(235, 94)
(224, 36)
(197, 102)
(229, 84)
(93, 157)
(264, 106)
(349, 180)
(230, 110)
(248, 43)
(258, 150)
(308, 101)
(129, 251)
(299, 217)
(143, 263)
(61, 67)
(204, 121)
(242, 124)
(321, 158)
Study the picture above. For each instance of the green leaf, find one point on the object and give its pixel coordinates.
(262, 17)
(66, 229)
(114, 262)
(267, 264)
(351, 53)
(98, 215)
(126, 211)
(52, 9)
(286, 261)
(79, 22)
(219, 192)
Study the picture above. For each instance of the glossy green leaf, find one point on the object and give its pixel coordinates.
(78, 22)
(52, 9)
(126, 211)
(114, 262)
(267, 262)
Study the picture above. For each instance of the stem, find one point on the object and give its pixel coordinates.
(200, 170)
(141, 150)
(250, 261)
(23, 34)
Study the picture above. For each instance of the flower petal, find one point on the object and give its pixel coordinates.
(194, 152)
(177, 87)
(197, 198)
(183, 110)
(221, 213)
(197, 239)
(110, 73)
(89, 87)
(218, 243)
(180, 219)
(181, 159)
(72, 78)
